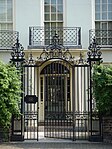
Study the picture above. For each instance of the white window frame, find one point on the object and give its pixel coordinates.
(101, 12)
(6, 22)
(49, 21)
(101, 21)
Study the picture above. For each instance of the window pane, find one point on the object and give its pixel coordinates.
(104, 1)
(53, 1)
(109, 1)
(46, 1)
(53, 8)
(2, 10)
(9, 10)
(97, 1)
(104, 7)
(97, 25)
(59, 24)
(97, 7)
(47, 8)
(53, 14)
(97, 16)
(110, 7)
(9, 26)
(9, 15)
(110, 15)
(47, 17)
(60, 17)
(110, 25)
(47, 25)
(104, 16)
(6, 10)
(104, 26)
(59, 8)
(53, 17)
(53, 24)
(2, 15)
(60, 2)
(3, 26)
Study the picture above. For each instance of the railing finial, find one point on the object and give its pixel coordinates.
(55, 39)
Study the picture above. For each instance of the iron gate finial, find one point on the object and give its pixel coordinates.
(94, 53)
(17, 54)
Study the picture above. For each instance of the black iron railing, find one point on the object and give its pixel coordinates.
(8, 39)
(103, 37)
(68, 36)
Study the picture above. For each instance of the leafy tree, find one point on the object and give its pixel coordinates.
(10, 90)
(102, 88)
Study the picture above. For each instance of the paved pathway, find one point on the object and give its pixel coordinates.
(55, 145)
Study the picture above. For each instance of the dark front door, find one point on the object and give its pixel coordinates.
(55, 94)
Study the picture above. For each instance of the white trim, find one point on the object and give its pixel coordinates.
(6, 21)
(93, 13)
(14, 14)
(42, 15)
(42, 12)
(64, 13)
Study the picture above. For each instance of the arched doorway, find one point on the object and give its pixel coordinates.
(57, 99)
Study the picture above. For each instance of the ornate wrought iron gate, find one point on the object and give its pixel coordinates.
(66, 100)
(67, 94)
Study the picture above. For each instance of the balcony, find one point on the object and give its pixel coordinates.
(68, 36)
(103, 37)
(7, 39)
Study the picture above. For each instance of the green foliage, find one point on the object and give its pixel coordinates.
(10, 90)
(102, 88)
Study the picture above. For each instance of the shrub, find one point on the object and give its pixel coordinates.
(102, 88)
(10, 90)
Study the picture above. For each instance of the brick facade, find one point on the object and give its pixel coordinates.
(107, 129)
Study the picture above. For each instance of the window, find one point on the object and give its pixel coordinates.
(6, 18)
(103, 21)
(103, 10)
(104, 33)
(53, 19)
(6, 23)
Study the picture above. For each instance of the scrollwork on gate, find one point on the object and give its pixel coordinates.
(56, 50)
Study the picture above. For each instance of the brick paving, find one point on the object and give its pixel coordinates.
(55, 145)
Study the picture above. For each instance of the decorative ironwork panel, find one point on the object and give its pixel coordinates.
(103, 37)
(81, 125)
(8, 39)
(39, 36)
(59, 125)
(56, 51)
(30, 122)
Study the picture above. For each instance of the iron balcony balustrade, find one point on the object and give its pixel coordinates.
(42, 36)
(8, 39)
(103, 37)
